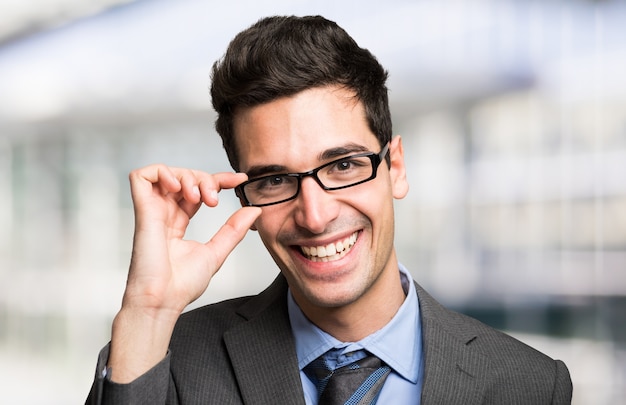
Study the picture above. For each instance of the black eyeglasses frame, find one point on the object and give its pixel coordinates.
(375, 158)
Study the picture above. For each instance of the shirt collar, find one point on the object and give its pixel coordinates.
(399, 343)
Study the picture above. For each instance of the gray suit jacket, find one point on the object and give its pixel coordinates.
(241, 351)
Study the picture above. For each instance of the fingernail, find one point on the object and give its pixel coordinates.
(196, 190)
(214, 195)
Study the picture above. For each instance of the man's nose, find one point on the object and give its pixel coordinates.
(316, 206)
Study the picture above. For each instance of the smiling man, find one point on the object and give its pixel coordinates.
(334, 247)
(303, 114)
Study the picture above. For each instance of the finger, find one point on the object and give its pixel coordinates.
(231, 233)
(211, 185)
(189, 207)
(189, 185)
(144, 179)
(229, 180)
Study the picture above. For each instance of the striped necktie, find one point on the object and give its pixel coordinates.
(357, 383)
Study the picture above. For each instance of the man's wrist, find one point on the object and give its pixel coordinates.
(139, 341)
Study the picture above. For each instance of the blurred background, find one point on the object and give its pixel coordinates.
(513, 114)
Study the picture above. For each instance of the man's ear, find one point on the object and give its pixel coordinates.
(397, 168)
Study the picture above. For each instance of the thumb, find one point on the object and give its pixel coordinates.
(231, 233)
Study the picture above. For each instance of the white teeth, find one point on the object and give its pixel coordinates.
(332, 251)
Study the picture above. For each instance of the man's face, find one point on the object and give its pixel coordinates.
(300, 133)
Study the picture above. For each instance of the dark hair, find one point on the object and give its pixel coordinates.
(281, 56)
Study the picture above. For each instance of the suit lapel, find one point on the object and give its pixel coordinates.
(454, 373)
(262, 350)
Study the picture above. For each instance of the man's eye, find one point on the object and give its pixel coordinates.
(344, 165)
(275, 181)
(271, 182)
(349, 165)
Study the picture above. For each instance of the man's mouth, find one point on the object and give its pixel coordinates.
(330, 252)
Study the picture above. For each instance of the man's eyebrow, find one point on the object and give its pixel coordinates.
(329, 154)
(335, 153)
(263, 170)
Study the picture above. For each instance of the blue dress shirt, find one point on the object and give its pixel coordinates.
(399, 344)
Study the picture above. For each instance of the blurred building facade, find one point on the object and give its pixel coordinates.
(513, 117)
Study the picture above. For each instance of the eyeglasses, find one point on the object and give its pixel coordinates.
(341, 173)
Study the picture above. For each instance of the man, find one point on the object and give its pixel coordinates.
(304, 118)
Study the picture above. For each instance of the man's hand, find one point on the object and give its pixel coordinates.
(167, 272)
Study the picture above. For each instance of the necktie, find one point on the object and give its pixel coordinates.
(357, 383)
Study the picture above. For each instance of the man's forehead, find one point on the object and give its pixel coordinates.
(328, 95)
(312, 126)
